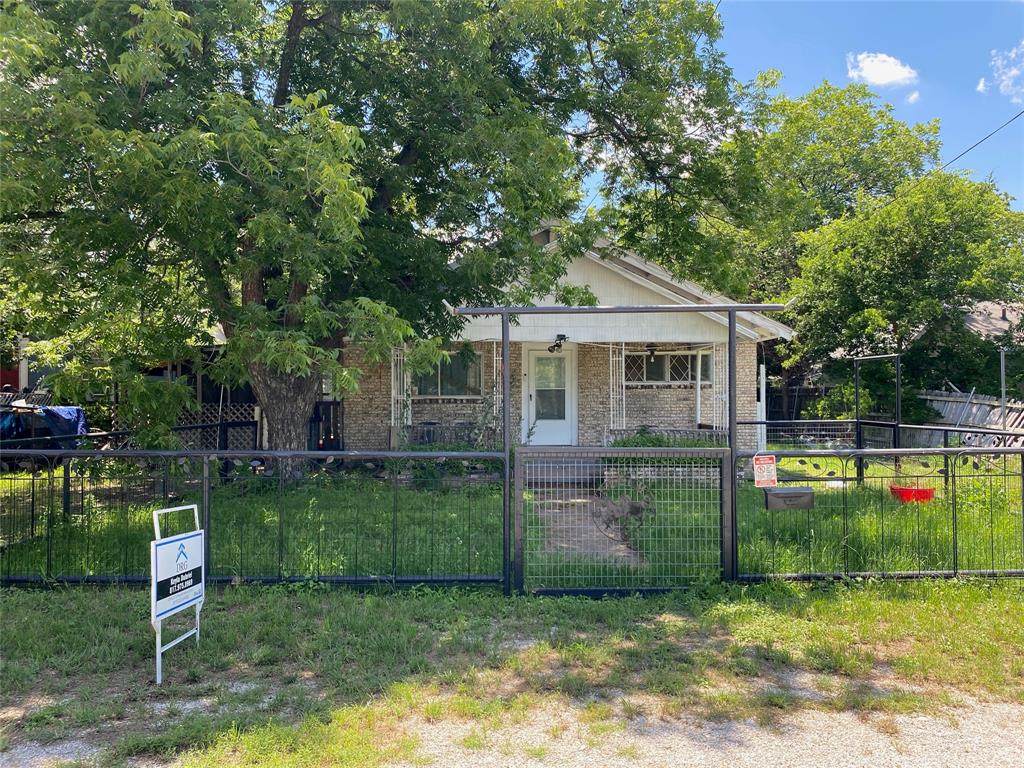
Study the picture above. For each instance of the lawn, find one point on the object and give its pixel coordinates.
(358, 523)
(303, 675)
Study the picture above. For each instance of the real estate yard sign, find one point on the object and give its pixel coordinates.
(177, 578)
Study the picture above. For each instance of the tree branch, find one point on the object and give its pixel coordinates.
(292, 35)
(14, 218)
(384, 190)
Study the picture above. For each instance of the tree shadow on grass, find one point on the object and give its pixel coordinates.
(272, 657)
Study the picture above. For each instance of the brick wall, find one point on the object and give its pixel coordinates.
(746, 392)
(368, 412)
(592, 400)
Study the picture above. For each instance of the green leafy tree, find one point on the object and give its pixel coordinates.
(814, 156)
(313, 174)
(897, 276)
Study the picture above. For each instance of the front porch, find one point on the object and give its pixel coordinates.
(569, 393)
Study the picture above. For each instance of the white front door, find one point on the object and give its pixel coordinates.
(550, 394)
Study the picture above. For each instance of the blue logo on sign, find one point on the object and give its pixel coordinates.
(182, 554)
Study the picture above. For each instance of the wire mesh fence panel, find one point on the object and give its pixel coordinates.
(404, 519)
(87, 518)
(794, 540)
(26, 513)
(618, 519)
(877, 436)
(396, 518)
(901, 514)
(990, 512)
(809, 434)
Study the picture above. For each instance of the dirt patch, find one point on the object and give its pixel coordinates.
(581, 526)
(563, 735)
(32, 754)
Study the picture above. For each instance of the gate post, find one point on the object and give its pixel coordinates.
(206, 516)
(506, 447)
(520, 585)
(730, 566)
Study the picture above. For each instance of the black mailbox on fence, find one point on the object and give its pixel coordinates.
(789, 498)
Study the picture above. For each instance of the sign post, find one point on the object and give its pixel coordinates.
(177, 579)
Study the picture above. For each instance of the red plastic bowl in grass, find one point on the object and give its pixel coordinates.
(906, 494)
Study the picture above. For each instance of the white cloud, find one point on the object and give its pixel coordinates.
(879, 69)
(913, 97)
(982, 86)
(1008, 72)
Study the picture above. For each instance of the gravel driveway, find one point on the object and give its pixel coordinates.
(990, 735)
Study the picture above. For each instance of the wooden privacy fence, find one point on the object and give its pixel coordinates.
(975, 410)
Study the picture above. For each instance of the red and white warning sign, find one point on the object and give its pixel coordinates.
(765, 475)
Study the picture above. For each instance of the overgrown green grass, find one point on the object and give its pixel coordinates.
(861, 527)
(327, 524)
(307, 676)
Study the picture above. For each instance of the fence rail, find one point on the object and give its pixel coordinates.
(814, 434)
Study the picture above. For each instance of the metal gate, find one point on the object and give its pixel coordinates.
(620, 520)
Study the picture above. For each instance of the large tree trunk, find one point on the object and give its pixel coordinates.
(287, 402)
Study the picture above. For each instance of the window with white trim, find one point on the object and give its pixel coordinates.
(668, 367)
(458, 377)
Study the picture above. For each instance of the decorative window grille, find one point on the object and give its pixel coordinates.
(617, 377)
(401, 412)
(668, 367)
(496, 377)
(720, 387)
(634, 368)
(679, 367)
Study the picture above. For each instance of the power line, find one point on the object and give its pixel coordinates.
(583, 211)
(982, 140)
(948, 163)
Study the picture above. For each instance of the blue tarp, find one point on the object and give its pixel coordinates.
(65, 421)
(10, 426)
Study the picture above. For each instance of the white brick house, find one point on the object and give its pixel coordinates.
(576, 380)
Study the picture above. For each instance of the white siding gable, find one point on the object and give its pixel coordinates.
(612, 287)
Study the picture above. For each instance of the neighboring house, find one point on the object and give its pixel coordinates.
(992, 319)
(576, 380)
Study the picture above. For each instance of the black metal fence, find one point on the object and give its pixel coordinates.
(892, 513)
(600, 520)
(218, 435)
(850, 433)
(352, 518)
(581, 520)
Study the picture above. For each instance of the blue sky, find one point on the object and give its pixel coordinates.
(939, 51)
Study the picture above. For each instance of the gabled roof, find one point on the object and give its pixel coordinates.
(680, 291)
(991, 319)
(623, 279)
